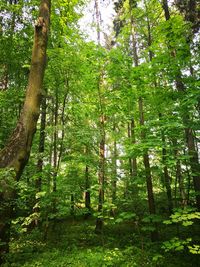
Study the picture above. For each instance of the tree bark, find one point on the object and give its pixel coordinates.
(16, 153)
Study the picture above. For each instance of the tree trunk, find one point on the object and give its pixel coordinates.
(16, 153)
(167, 182)
(134, 160)
(87, 192)
(55, 141)
(151, 203)
(38, 182)
(101, 174)
(114, 168)
(130, 159)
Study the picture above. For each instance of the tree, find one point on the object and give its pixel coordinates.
(16, 153)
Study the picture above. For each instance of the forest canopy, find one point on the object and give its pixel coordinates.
(99, 133)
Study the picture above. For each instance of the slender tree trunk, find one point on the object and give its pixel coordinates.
(101, 172)
(114, 172)
(134, 160)
(151, 202)
(167, 178)
(179, 177)
(101, 175)
(38, 182)
(51, 122)
(16, 153)
(55, 145)
(98, 20)
(136, 63)
(72, 205)
(87, 185)
(130, 159)
(5, 77)
(87, 188)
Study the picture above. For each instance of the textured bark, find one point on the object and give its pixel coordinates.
(16, 153)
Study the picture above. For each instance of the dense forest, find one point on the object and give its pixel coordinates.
(99, 136)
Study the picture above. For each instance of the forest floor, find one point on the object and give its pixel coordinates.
(73, 243)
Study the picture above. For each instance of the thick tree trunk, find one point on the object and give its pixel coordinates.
(16, 153)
